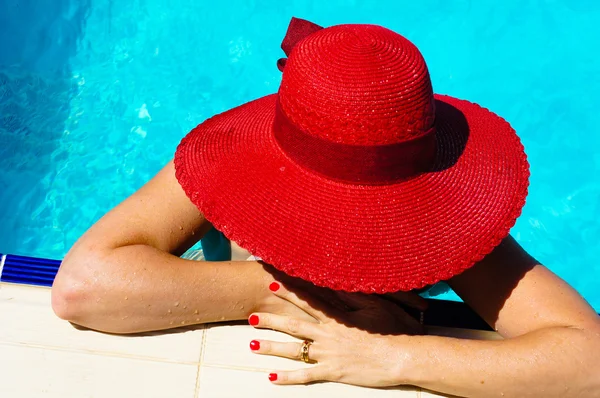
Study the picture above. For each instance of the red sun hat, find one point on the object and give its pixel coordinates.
(355, 175)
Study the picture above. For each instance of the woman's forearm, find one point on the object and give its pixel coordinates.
(139, 288)
(552, 362)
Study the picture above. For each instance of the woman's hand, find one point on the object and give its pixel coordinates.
(348, 346)
(272, 303)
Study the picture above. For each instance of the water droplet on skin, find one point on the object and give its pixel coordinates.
(170, 323)
(126, 298)
(180, 228)
(196, 312)
(185, 307)
(168, 311)
(183, 322)
(197, 319)
(177, 304)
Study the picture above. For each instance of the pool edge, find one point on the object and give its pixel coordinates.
(33, 271)
(28, 270)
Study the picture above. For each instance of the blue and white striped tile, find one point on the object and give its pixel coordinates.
(28, 270)
(2, 258)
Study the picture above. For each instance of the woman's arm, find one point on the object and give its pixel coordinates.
(551, 346)
(124, 274)
(515, 294)
(550, 362)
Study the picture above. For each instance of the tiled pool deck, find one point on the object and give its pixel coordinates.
(43, 356)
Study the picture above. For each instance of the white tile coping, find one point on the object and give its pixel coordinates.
(29, 371)
(27, 319)
(2, 260)
(45, 355)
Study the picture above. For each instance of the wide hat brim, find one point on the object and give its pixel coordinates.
(368, 238)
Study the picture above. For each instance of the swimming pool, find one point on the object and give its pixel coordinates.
(95, 96)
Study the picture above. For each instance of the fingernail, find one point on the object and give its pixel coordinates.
(273, 376)
(274, 286)
(254, 345)
(253, 320)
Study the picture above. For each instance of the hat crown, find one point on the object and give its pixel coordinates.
(358, 85)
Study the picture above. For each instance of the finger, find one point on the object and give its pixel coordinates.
(286, 324)
(284, 350)
(318, 309)
(301, 376)
(409, 299)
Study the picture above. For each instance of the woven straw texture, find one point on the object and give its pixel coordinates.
(360, 88)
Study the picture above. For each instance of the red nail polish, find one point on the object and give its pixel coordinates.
(253, 320)
(273, 376)
(254, 345)
(274, 286)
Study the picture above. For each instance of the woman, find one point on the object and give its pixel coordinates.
(355, 177)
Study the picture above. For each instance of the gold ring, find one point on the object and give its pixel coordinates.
(304, 351)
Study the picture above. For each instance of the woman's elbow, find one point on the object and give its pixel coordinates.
(74, 289)
(67, 302)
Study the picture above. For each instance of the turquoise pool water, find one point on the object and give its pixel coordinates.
(96, 94)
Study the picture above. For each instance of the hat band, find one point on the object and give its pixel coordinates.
(359, 164)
